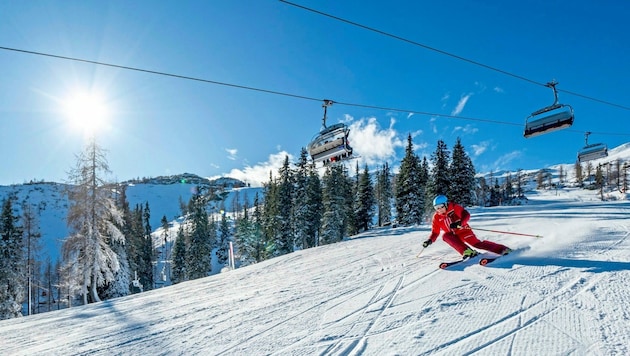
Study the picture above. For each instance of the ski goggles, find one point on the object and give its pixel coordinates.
(439, 206)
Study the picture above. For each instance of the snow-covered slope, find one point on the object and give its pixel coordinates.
(565, 293)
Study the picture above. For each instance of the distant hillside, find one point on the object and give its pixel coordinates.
(164, 195)
(617, 154)
(189, 178)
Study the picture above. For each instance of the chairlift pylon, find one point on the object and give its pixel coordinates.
(550, 118)
(592, 151)
(331, 144)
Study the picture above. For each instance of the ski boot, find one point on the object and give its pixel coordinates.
(469, 253)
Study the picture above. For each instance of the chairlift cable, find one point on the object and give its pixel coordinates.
(450, 54)
(274, 92)
(158, 73)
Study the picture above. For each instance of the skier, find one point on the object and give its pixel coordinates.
(453, 219)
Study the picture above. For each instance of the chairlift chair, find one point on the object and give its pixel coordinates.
(331, 143)
(592, 151)
(551, 118)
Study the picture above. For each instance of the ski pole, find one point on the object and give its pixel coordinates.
(419, 253)
(507, 232)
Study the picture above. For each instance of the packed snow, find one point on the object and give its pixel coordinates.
(380, 293)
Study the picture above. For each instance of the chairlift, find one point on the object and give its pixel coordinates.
(592, 151)
(551, 118)
(331, 144)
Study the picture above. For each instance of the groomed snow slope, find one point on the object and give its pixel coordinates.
(564, 294)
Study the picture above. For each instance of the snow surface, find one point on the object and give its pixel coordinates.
(564, 294)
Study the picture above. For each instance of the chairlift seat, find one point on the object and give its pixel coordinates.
(336, 151)
(330, 143)
(549, 123)
(591, 152)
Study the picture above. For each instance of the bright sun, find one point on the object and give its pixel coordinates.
(86, 112)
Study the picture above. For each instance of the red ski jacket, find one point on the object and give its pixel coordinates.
(442, 222)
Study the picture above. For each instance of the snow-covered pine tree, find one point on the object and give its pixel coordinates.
(12, 264)
(306, 203)
(366, 200)
(409, 199)
(300, 203)
(147, 253)
(315, 203)
(352, 223)
(250, 241)
(270, 215)
(384, 195)
(179, 272)
(439, 178)
(223, 241)
(119, 287)
(423, 182)
(93, 218)
(285, 239)
(199, 252)
(334, 199)
(462, 176)
(243, 239)
(264, 247)
(163, 253)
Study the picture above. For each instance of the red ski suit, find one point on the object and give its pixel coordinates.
(459, 238)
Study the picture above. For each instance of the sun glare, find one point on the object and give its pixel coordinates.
(86, 112)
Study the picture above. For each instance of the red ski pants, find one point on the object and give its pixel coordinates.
(461, 238)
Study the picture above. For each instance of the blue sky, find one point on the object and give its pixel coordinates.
(162, 125)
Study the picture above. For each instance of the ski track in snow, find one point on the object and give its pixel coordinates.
(565, 293)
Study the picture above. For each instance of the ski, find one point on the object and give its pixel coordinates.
(485, 261)
(444, 265)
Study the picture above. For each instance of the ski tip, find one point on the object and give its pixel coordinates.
(443, 265)
(484, 261)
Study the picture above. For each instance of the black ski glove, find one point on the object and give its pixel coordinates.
(427, 243)
(456, 225)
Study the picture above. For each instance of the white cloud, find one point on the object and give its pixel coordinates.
(259, 174)
(461, 104)
(498, 90)
(372, 143)
(433, 125)
(505, 159)
(468, 129)
(444, 99)
(231, 153)
(480, 148)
